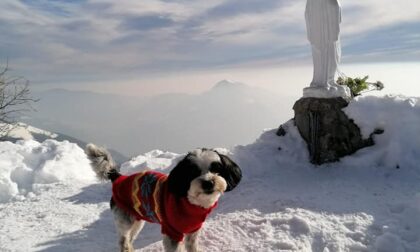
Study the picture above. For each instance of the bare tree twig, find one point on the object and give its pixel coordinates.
(15, 99)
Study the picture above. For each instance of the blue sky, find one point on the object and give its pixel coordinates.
(57, 42)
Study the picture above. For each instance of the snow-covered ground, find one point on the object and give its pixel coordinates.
(24, 131)
(369, 201)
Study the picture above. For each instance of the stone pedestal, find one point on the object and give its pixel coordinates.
(329, 133)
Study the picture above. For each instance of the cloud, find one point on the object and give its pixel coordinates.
(57, 41)
(398, 42)
(254, 27)
(147, 22)
(369, 15)
(240, 7)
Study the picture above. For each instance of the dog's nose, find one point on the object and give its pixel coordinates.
(207, 185)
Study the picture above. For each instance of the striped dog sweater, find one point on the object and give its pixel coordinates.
(145, 196)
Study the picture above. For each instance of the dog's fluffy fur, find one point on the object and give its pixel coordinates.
(201, 176)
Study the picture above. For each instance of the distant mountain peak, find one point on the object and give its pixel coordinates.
(228, 84)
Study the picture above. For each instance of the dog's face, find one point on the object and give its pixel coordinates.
(202, 176)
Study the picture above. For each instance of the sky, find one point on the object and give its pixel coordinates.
(158, 46)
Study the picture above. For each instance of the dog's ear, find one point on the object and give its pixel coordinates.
(180, 177)
(230, 172)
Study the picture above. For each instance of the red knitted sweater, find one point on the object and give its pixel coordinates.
(145, 196)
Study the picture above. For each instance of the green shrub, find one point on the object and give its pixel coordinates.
(359, 85)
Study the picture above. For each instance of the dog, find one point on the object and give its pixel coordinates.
(180, 201)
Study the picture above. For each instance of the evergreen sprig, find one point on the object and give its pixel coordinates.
(359, 85)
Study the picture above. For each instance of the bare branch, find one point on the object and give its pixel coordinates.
(15, 99)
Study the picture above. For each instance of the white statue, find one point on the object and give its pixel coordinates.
(323, 19)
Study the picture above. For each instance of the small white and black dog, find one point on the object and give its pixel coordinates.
(180, 201)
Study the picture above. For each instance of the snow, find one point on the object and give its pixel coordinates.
(399, 117)
(26, 132)
(28, 164)
(157, 160)
(369, 201)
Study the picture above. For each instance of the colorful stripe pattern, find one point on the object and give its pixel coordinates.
(145, 195)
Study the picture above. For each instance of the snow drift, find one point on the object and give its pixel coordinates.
(369, 201)
(399, 116)
(26, 164)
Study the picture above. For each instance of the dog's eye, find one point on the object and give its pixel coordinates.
(216, 167)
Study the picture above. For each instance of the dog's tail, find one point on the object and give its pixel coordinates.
(102, 163)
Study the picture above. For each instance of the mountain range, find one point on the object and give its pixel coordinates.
(229, 113)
